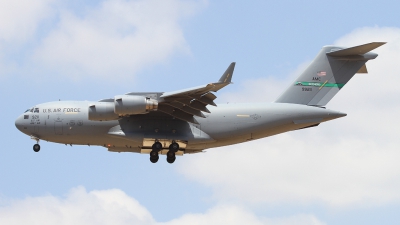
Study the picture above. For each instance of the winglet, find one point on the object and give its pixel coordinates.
(227, 76)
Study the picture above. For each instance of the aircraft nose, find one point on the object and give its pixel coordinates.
(18, 123)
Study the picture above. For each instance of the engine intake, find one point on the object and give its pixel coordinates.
(102, 111)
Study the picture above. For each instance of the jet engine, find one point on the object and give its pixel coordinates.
(121, 106)
(133, 104)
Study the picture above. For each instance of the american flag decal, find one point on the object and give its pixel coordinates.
(321, 73)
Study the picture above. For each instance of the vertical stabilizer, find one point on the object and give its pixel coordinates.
(328, 73)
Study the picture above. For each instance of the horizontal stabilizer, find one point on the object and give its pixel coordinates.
(357, 50)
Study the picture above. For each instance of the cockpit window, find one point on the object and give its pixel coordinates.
(27, 110)
(31, 110)
(36, 110)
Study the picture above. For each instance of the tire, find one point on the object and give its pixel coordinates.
(36, 147)
(170, 154)
(157, 146)
(171, 159)
(154, 159)
(153, 154)
(174, 147)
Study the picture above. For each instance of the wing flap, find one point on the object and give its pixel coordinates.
(177, 113)
(204, 99)
(186, 109)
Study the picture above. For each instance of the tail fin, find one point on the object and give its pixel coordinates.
(328, 73)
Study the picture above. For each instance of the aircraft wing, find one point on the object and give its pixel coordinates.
(187, 103)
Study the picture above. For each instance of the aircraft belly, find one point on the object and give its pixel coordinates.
(250, 136)
(146, 129)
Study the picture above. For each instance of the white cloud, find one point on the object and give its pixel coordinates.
(371, 100)
(350, 162)
(79, 207)
(301, 169)
(228, 214)
(19, 19)
(117, 208)
(116, 39)
(301, 219)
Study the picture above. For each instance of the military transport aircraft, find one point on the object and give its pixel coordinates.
(181, 122)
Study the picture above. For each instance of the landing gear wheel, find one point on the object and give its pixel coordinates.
(154, 156)
(157, 146)
(171, 157)
(36, 147)
(154, 159)
(174, 147)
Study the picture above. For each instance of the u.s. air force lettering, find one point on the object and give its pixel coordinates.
(66, 110)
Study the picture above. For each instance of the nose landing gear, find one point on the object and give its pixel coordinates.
(36, 147)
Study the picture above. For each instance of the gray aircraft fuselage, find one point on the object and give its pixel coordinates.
(67, 122)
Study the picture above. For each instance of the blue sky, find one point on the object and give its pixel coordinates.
(342, 172)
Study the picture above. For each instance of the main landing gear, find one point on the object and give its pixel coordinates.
(157, 146)
(174, 147)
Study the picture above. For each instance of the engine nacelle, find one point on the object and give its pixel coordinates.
(102, 111)
(133, 104)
